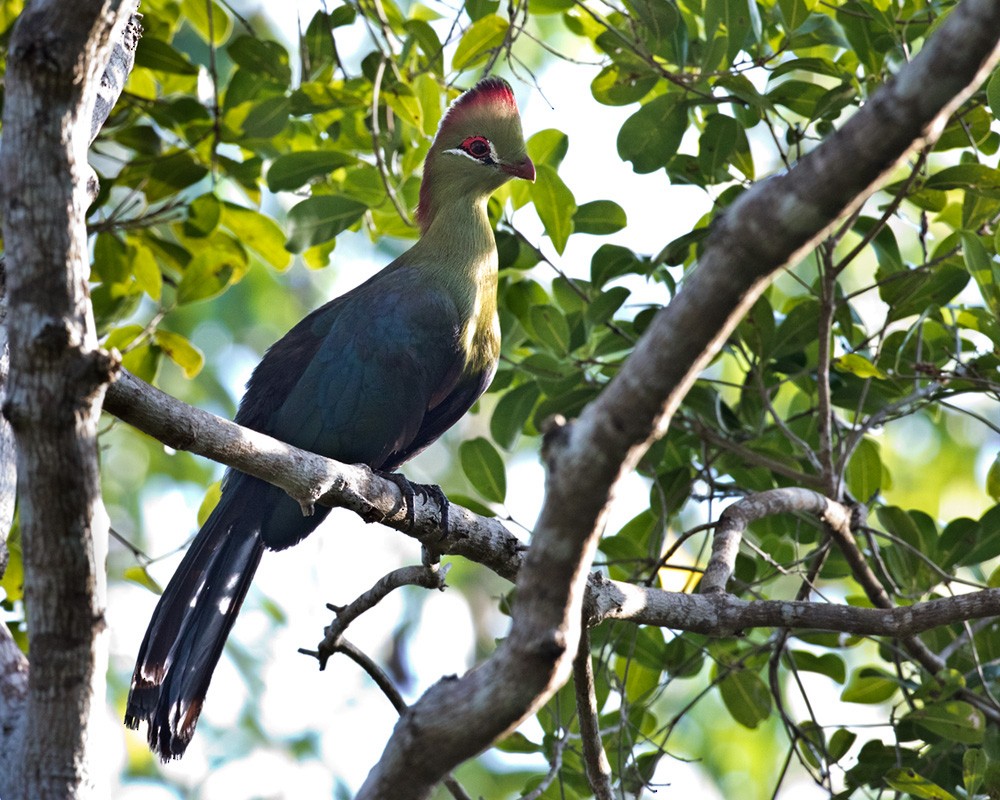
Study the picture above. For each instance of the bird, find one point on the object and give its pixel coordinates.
(372, 377)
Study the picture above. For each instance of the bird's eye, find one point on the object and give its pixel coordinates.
(477, 147)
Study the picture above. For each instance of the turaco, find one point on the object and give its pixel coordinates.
(373, 377)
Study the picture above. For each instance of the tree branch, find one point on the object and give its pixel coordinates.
(595, 760)
(769, 226)
(57, 375)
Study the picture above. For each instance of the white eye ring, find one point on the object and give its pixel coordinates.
(490, 159)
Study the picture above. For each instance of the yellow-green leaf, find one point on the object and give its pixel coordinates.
(258, 232)
(993, 479)
(180, 350)
(916, 785)
(145, 270)
(481, 36)
(555, 205)
(858, 365)
(209, 502)
(140, 575)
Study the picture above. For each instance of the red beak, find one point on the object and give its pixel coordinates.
(520, 169)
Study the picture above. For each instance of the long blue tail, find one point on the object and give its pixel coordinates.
(189, 627)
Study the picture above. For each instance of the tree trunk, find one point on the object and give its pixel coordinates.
(57, 380)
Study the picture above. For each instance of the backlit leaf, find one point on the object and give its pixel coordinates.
(482, 36)
(484, 468)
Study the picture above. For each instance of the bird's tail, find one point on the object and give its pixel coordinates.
(192, 620)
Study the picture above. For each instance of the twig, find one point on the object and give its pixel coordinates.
(430, 577)
(594, 758)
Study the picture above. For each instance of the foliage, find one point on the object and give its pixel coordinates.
(869, 371)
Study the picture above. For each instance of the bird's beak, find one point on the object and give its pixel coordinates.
(520, 169)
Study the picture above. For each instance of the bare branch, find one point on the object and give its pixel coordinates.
(735, 519)
(595, 760)
(486, 541)
(430, 577)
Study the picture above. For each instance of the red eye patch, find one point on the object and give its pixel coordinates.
(477, 146)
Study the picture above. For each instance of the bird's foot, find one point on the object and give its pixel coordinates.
(432, 490)
(406, 489)
(426, 491)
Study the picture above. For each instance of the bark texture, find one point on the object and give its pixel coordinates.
(57, 379)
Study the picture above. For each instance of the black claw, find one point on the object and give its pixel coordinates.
(407, 490)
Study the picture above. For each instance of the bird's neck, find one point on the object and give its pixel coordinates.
(458, 250)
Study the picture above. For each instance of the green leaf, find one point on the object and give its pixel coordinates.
(484, 468)
(857, 364)
(267, 118)
(262, 57)
(197, 15)
(869, 685)
(993, 479)
(716, 146)
(138, 574)
(983, 268)
(161, 57)
(617, 86)
(548, 146)
(219, 264)
(258, 232)
(606, 304)
(143, 362)
(829, 664)
(910, 781)
(841, 741)
(976, 178)
(974, 761)
(320, 219)
(864, 471)
(651, 136)
(549, 328)
(952, 720)
(555, 205)
(481, 36)
(208, 503)
(145, 270)
(512, 412)
(794, 12)
(599, 217)
(611, 261)
(993, 94)
(430, 45)
(746, 697)
(203, 215)
(517, 742)
(180, 350)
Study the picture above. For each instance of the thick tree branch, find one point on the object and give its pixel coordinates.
(486, 541)
(55, 63)
(768, 227)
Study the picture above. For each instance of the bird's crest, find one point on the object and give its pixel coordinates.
(490, 93)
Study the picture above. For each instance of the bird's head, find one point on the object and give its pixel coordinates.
(479, 147)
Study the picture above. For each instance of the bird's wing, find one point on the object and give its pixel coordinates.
(381, 357)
